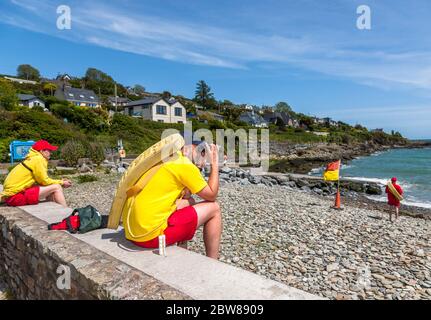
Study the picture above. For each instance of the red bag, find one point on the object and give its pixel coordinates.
(70, 224)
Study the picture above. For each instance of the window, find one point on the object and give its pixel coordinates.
(160, 121)
(70, 94)
(178, 112)
(91, 97)
(130, 110)
(81, 96)
(161, 109)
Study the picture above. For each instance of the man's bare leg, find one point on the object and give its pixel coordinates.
(53, 193)
(397, 213)
(209, 215)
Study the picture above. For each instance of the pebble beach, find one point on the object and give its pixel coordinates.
(296, 238)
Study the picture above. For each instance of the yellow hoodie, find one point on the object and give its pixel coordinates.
(20, 178)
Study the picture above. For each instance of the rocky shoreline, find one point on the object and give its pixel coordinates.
(355, 192)
(302, 158)
(293, 236)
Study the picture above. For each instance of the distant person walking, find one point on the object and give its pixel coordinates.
(395, 193)
(28, 182)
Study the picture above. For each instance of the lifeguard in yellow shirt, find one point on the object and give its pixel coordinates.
(28, 182)
(164, 206)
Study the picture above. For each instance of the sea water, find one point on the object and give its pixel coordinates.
(412, 167)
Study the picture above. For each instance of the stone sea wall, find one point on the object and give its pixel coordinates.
(42, 264)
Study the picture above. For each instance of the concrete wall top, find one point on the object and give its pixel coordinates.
(185, 274)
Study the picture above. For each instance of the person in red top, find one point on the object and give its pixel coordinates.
(392, 200)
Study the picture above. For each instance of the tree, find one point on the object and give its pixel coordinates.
(232, 113)
(28, 72)
(166, 95)
(306, 121)
(283, 107)
(8, 97)
(49, 88)
(95, 79)
(138, 89)
(225, 104)
(203, 94)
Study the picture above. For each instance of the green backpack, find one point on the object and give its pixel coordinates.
(82, 220)
(89, 219)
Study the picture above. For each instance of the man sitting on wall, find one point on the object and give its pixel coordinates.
(165, 205)
(28, 182)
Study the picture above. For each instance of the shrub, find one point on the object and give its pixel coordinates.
(85, 118)
(96, 152)
(87, 178)
(2, 178)
(346, 138)
(72, 151)
(4, 150)
(38, 109)
(215, 124)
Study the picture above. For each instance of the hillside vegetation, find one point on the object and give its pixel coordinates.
(89, 131)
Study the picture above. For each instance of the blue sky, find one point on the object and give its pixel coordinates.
(306, 52)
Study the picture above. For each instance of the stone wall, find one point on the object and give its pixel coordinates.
(33, 260)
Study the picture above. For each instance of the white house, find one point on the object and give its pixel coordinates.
(157, 109)
(30, 101)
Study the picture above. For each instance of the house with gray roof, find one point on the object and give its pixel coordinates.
(157, 109)
(278, 118)
(119, 102)
(30, 101)
(79, 97)
(253, 119)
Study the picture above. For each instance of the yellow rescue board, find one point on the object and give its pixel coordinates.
(148, 159)
(394, 191)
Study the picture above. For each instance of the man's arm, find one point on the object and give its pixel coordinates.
(210, 192)
(40, 172)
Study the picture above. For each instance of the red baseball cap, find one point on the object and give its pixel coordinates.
(394, 179)
(44, 145)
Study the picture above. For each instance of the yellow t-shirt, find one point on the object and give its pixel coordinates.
(152, 207)
(20, 178)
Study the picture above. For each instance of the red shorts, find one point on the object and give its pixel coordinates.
(182, 226)
(24, 198)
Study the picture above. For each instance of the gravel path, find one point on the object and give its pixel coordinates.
(295, 238)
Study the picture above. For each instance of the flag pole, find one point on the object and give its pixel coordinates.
(337, 196)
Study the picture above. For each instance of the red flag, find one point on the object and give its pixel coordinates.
(333, 166)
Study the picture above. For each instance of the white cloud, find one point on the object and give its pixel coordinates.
(195, 43)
